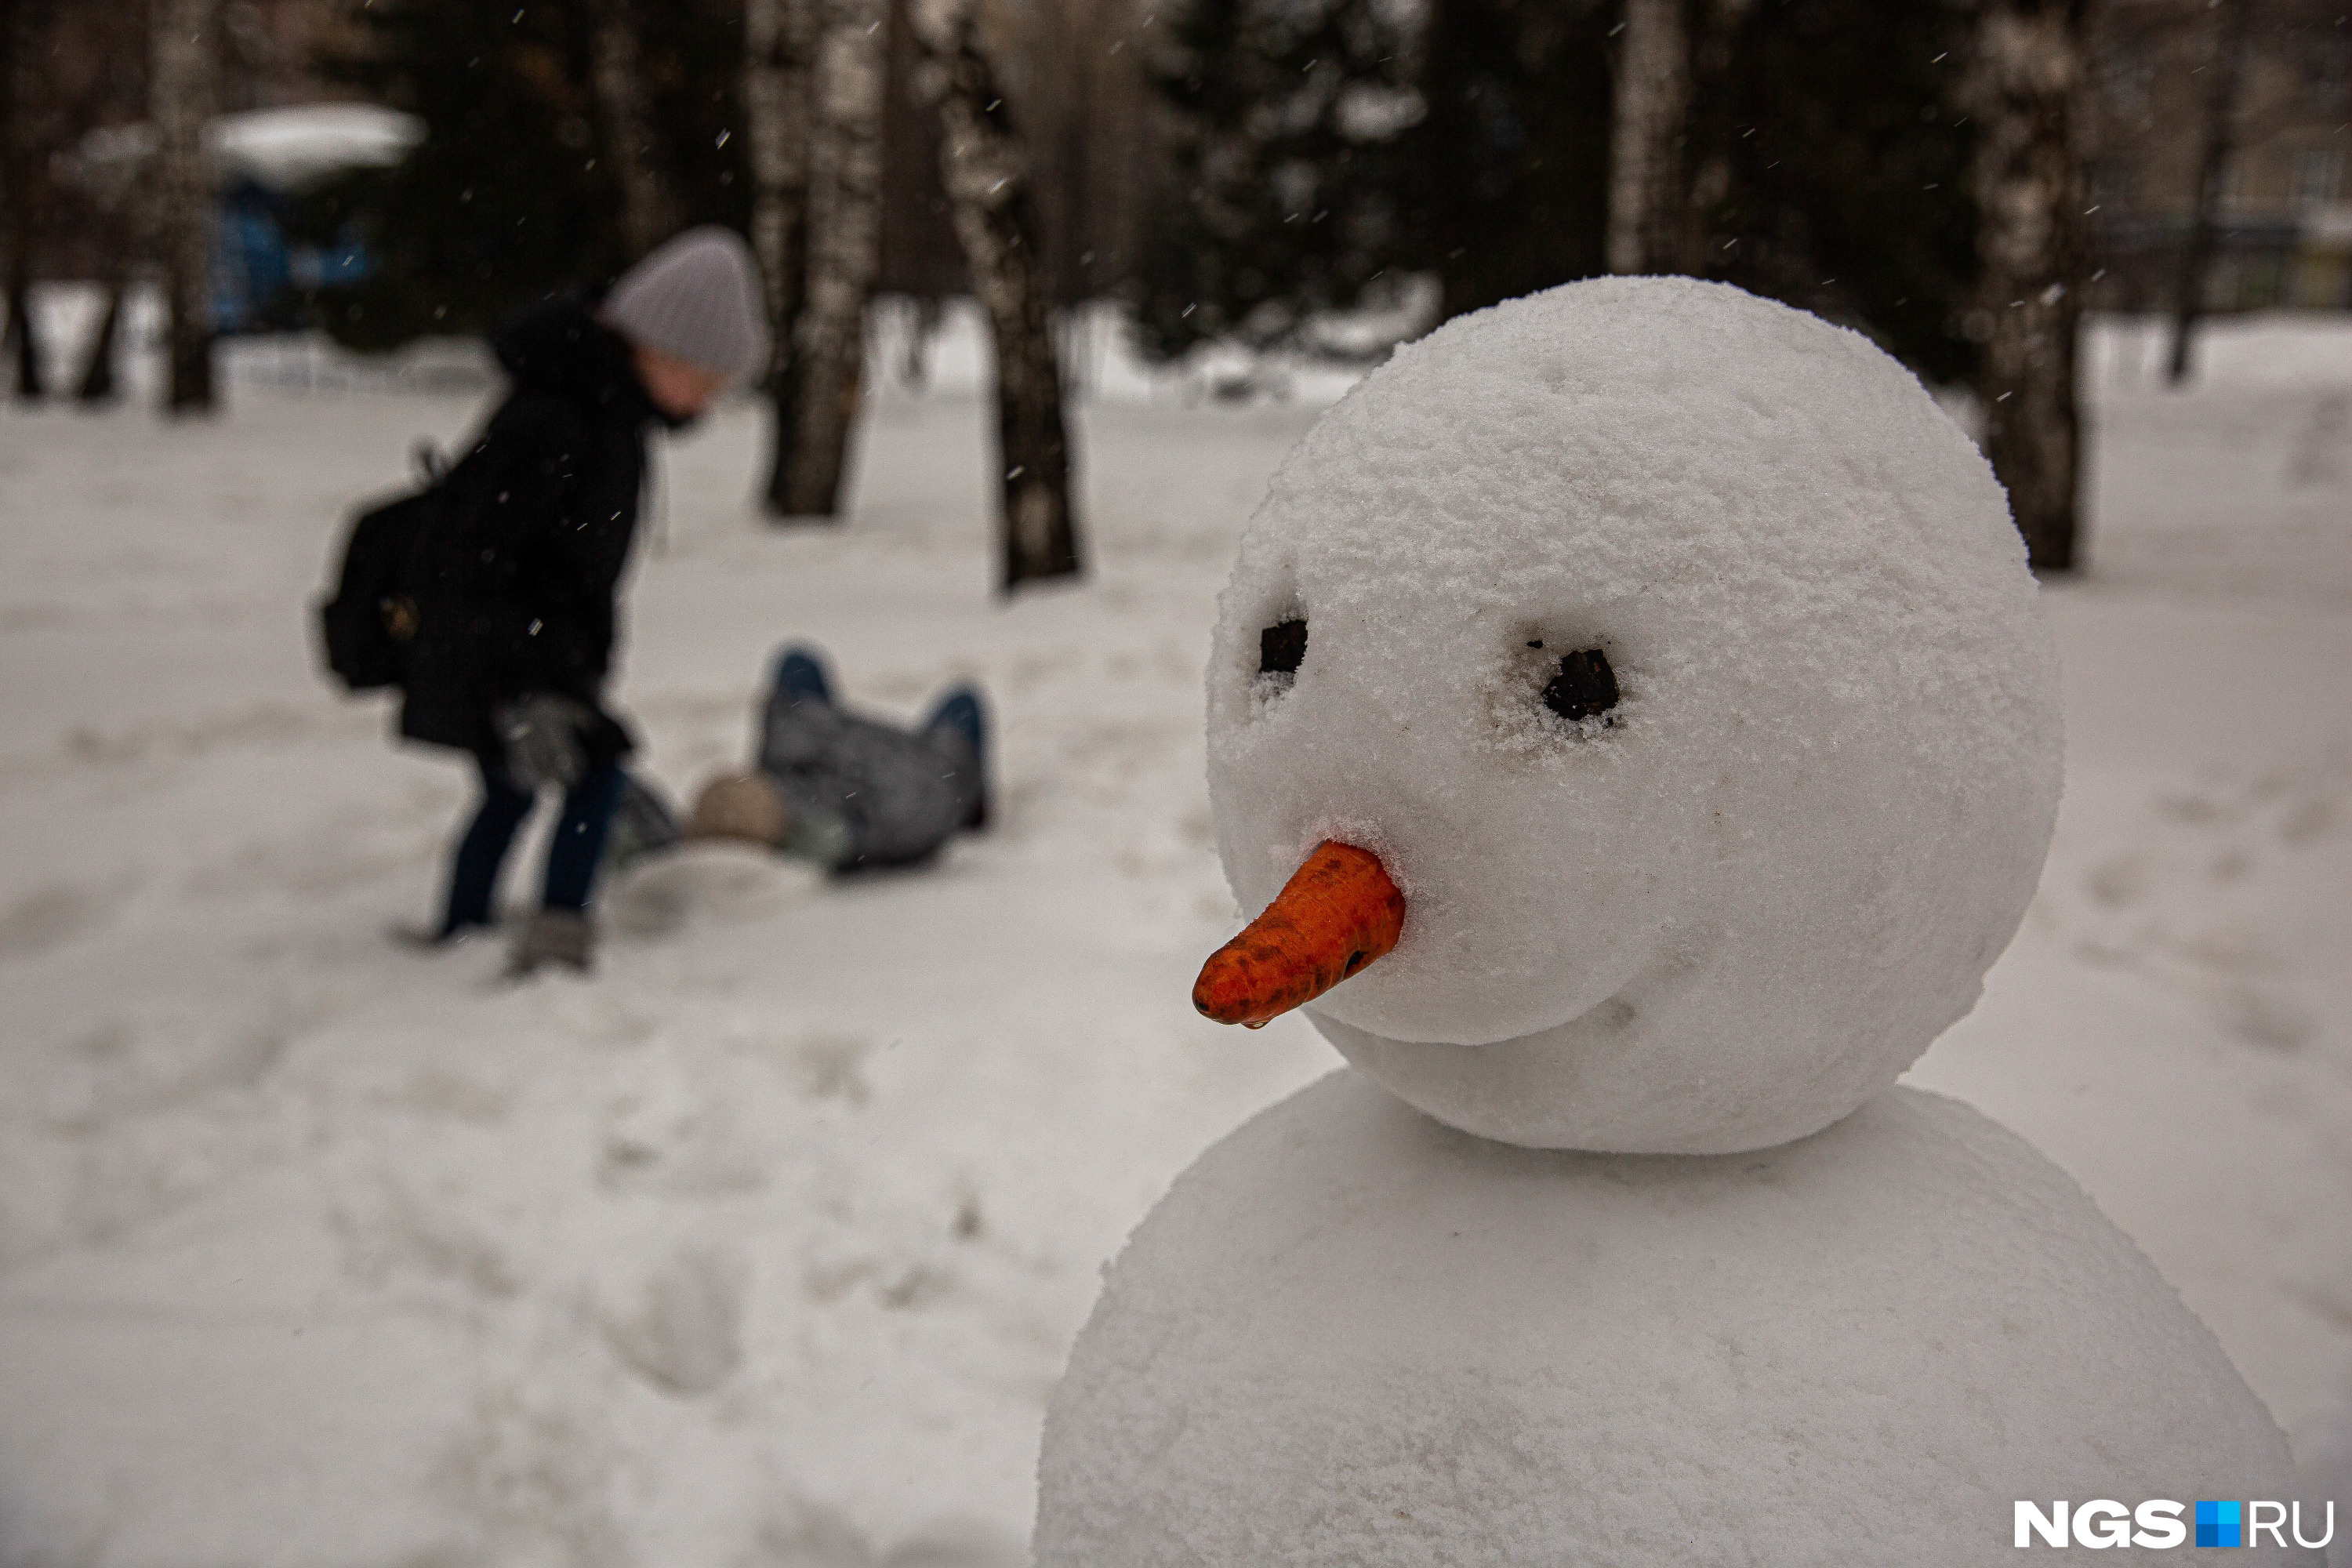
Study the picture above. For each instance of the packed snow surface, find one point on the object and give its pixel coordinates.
(1724, 910)
(764, 1248)
(1351, 1335)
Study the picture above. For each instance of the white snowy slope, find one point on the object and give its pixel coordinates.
(766, 1246)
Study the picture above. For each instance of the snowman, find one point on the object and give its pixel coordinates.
(1630, 714)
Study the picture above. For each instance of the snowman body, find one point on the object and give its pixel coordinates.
(1671, 660)
(1351, 1335)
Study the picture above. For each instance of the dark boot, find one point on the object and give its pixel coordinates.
(437, 938)
(552, 936)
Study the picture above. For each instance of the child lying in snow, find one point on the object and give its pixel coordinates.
(847, 792)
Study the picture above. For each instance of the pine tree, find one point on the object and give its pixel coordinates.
(1513, 161)
(1832, 156)
(1293, 185)
(513, 193)
(618, 75)
(1819, 158)
(1327, 149)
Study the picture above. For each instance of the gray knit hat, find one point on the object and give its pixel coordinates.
(699, 298)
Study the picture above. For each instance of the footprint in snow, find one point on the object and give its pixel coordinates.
(679, 1327)
(56, 914)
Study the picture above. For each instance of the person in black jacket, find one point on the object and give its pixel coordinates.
(516, 614)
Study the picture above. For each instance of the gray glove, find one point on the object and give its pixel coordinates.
(540, 733)
(821, 838)
(643, 825)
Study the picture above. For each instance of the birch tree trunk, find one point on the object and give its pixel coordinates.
(2029, 191)
(1649, 216)
(776, 36)
(2213, 167)
(618, 71)
(987, 175)
(182, 79)
(845, 232)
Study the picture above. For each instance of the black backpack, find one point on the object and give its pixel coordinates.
(366, 627)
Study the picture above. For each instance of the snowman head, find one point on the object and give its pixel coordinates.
(1667, 661)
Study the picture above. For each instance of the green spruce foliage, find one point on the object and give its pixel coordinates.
(1848, 159)
(510, 195)
(1516, 156)
(1326, 147)
(1294, 183)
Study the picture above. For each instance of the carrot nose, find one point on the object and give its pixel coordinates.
(1338, 912)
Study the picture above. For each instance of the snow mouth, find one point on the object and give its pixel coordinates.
(1648, 979)
(1611, 1014)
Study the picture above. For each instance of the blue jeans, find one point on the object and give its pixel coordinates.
(571, 857)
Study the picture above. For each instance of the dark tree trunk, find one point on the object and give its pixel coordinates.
(844, 230)
(1707, 153)
(97, 385)
(24, 185)
(986, 169)
(130, 199)
(24, 343)
(184, 45)
(777, 36)
(618, 71)
(2029, 189)
(2213, 167)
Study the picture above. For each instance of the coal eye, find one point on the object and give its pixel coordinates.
(1282, 647)
(1585, 685)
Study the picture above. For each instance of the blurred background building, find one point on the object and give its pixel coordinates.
(2285, 235)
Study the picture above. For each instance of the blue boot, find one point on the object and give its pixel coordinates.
(800, 676)
(960, 712)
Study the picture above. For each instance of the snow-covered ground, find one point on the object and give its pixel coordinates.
(764, 1245)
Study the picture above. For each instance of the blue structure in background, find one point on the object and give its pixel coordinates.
(260, 163)
(259, 278)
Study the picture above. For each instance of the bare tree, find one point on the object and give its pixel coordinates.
(122, 190)
(97, 382)
(617, 72)
(844, 250)
(24, 181)
(2026, 68)
(2213, 168)
(1649, 205)
(183, 85)
(776, 36)
(986, 167)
